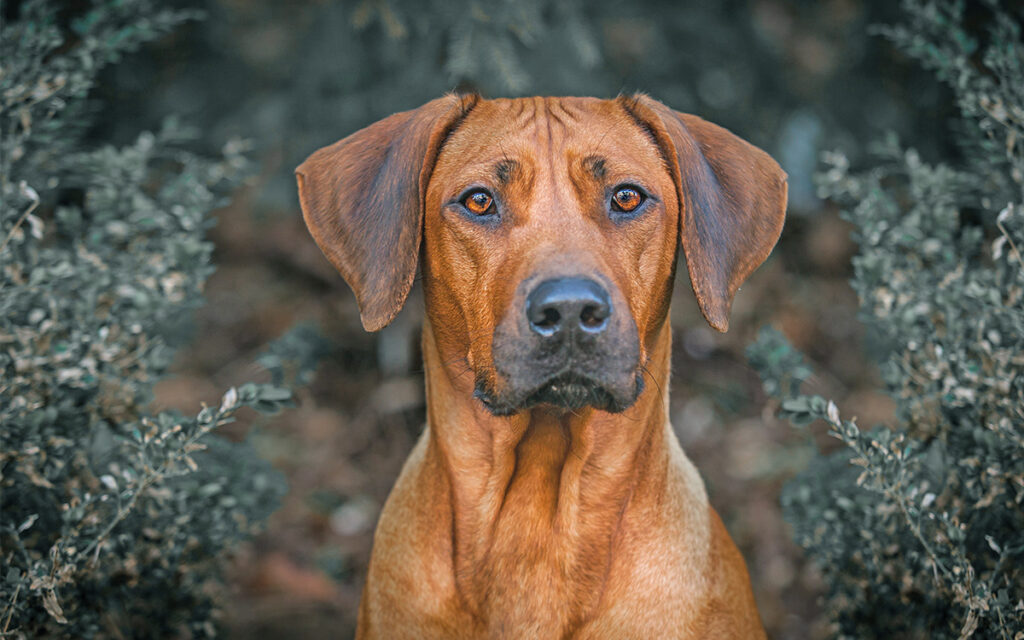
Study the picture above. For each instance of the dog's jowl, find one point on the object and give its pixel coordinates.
(548, 496)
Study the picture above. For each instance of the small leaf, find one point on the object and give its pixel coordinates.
(800, 404)
(993, 544)
(28, 522)
(274, 394)
(832, 412)
(53, 607)
(229, 401)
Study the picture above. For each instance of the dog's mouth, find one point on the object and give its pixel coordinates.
(570, 391)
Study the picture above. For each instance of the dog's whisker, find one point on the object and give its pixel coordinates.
(653, 378)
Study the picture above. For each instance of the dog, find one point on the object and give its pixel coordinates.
(548, 496)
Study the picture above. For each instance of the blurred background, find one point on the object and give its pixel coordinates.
(793, 77)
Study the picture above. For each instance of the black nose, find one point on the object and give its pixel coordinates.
(566, 305)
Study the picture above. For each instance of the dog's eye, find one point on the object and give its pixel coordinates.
(627, 199)
(478, 202)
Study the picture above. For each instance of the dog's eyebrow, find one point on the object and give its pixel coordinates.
(503, 170)
(596, 165)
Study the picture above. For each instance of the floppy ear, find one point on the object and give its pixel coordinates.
(732, 199)
(362, 198)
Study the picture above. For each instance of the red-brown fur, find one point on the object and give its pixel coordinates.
(548, 523)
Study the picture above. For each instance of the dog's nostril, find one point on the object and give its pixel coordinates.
(549, 318)
(582, 304)
(545, 317)
(593, 316)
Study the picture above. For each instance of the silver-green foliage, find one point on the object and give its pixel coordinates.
(918, 526)
(112, 517)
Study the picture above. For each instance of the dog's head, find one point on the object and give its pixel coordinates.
(548, 230)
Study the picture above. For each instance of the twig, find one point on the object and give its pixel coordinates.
(1013, 247)
(10, 608)
(31, 193)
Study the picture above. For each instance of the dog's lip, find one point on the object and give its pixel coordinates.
(568, 389)
(565, 383)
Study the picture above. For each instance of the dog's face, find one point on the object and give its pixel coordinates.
(549, 230)
(550, 235)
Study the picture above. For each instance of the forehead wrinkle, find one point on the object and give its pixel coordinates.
(522, 115)
(553, 108)
(520, 106)
(554, 158)
(569, 110)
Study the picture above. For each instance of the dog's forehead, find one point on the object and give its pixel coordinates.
(577, 126)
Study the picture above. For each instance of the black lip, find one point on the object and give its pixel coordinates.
(570, 391)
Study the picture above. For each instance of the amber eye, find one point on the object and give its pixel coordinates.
(478, 202)
(627, 199)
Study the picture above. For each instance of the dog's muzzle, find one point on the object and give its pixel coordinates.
(564, 345)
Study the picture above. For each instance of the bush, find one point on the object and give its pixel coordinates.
(113, 519)
(918, 527)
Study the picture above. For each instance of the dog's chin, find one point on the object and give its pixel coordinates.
(567, 392)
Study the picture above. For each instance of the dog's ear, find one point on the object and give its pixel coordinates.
(362, 198)
(732, 199)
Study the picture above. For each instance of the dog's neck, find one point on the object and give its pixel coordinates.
(538, 498)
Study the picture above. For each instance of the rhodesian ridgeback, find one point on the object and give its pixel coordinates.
(548, 496)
